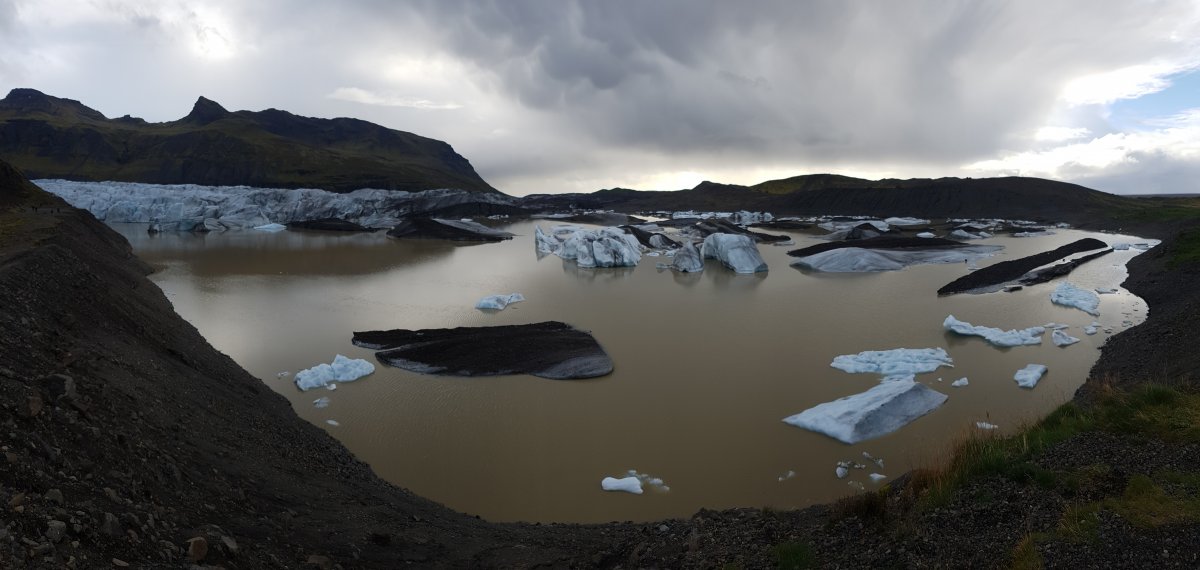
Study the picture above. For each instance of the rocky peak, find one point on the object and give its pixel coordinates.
(205, 111)
(31, 101)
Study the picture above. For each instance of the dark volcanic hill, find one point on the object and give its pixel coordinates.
(49, 137)
(820, 194)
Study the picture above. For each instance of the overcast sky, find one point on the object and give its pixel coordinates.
(560, 96)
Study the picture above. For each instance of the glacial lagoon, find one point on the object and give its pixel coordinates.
(706, 365)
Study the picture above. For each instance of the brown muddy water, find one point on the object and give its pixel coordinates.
(707, 365)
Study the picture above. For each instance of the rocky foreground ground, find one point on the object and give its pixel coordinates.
(129, 441)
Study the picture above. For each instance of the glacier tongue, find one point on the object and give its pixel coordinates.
(879, 411)
(186, 207)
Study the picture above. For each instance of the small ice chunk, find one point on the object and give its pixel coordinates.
(342, 370)
(271, 227)
(985, 425)
(626, 484)
(960, 234)
(841, 471)
(786, 476)
(322, 402)
(1120, 246)
(895, 362)
(926, 235)
(1029, 376)
(499, 302)
(995, 336)
(877, 477)
(332, 423)
(331, 387)
(653, 254)
(655, 483)
(960, 382)
(881, 410)
(1061, 338)
(1106, 290)
(283, 374)
(1069, 295)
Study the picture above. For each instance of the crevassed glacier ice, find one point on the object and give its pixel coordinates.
(605, 247)
(894, 362)
(1029, 376)
(995, 336)
(1069, 295)
(737, 252)
(629, 484)
(342, 370)
(499, 302)
(185, 207)
(879, 411)
(859, 260)
(1061, 338)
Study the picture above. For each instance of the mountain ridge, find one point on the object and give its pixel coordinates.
(52, 137)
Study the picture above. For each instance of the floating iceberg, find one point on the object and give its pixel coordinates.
(995, 336)
(1061, 338)
(499, 302)
(655, 483)
(605, 247)
(906, 222)
(879, 411)
(877, 477)
(860, 260)
(841, 471)
(960, 234)
(544, 243)
(1029, 376)
(737, 252)
(926, 235)
(342, 370)
(895, 362)
(1106, 290)
(626, 484)
(333, 423)
(960, 382)
(790, 473)
(687, 259)
(271, 228)
(1069, 295)
(321, 403)
(1092, 328)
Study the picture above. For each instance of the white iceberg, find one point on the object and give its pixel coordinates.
(1069, 295)
(333, 423)
(687, 259)
(605, 247)
(1029, 376)
(629, 484)
(906, 222)
(790, 473)
(1061, 338)
(342, 370)
(543, 243)
(271, 227)
(877, 477)
(926, 235)
(960, 382)
(841, 471)
(1092, 328)
(499, 302)
(895, 362)
(860, 260)
(960, 234)
(995, 336)
(879, 411)
(735, 251)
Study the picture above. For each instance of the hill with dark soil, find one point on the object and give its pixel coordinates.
(828, 194)
(49, 137)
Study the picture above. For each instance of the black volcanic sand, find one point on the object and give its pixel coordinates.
(882, 242)
(158, 440)
(1006, 271)
(601, 219)
(328, 225)
(1061, 269)
(430, 228)
(550, 350)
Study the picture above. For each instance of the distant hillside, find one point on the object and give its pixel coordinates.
(1010, 197)
(49, 137)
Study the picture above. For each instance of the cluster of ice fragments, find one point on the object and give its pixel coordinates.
(188, 207)
(341, 370)
(896, 362)
(499, 302)
(604, 247)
